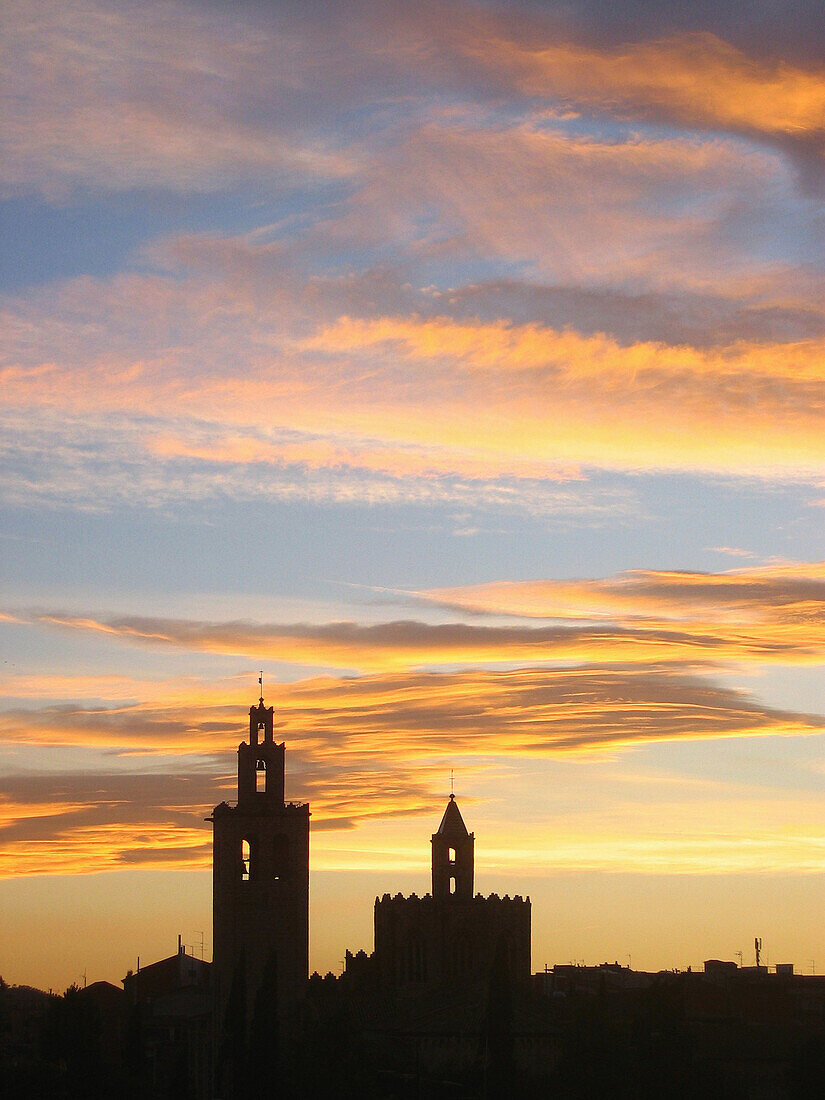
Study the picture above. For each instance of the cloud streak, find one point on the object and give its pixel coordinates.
(395, 407)
(187, 100)
(102, 95)
(695, 79)
(783, 594)
(643, 636)
(358, 749)
(412, 714)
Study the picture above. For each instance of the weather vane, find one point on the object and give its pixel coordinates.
(261, 685)
(452, 783)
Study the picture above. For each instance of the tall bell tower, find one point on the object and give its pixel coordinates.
(260, 890)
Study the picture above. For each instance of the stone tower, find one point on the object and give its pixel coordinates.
(450, 939)
(260, 890)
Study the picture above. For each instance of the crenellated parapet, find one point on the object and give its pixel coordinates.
(258, 808)
(427, 900)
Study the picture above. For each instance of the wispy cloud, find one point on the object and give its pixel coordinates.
(695, 79)
(359, 748)
(394, 407)
(644, 626)
(782, 595)
(652, 215)
(98, 463)
(177, 97)
(187, 100)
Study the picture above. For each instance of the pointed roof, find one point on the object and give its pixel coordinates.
(452, 823)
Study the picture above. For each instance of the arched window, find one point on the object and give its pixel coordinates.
(246, 860)
(260, 776)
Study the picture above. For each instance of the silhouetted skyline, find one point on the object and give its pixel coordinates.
(461, 368)
(445, 1004)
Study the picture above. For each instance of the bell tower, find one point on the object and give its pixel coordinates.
(260, 891)
(453, 856)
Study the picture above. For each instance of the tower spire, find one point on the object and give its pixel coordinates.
(452, 856)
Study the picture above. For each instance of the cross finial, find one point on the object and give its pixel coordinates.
(452, 783)
(261, 685)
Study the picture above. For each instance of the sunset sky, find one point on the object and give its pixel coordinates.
(460, 365)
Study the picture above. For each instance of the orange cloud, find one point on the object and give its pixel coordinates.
(359, 749)
(74, 823)
(747, 407)
(526, 349)
(412, 714)
(397, 461)
(697, 79)
(790, 595)
(409, 643)
(473, 400)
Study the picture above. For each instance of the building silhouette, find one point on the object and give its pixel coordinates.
(444, 1006)
(450, 936)
(260, 905)
(451, 957)
(169, 1017)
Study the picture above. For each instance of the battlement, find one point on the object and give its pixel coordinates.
(389, 901)
(297, 809)
(435, 942)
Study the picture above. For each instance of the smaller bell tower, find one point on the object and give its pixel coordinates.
(453, 849)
